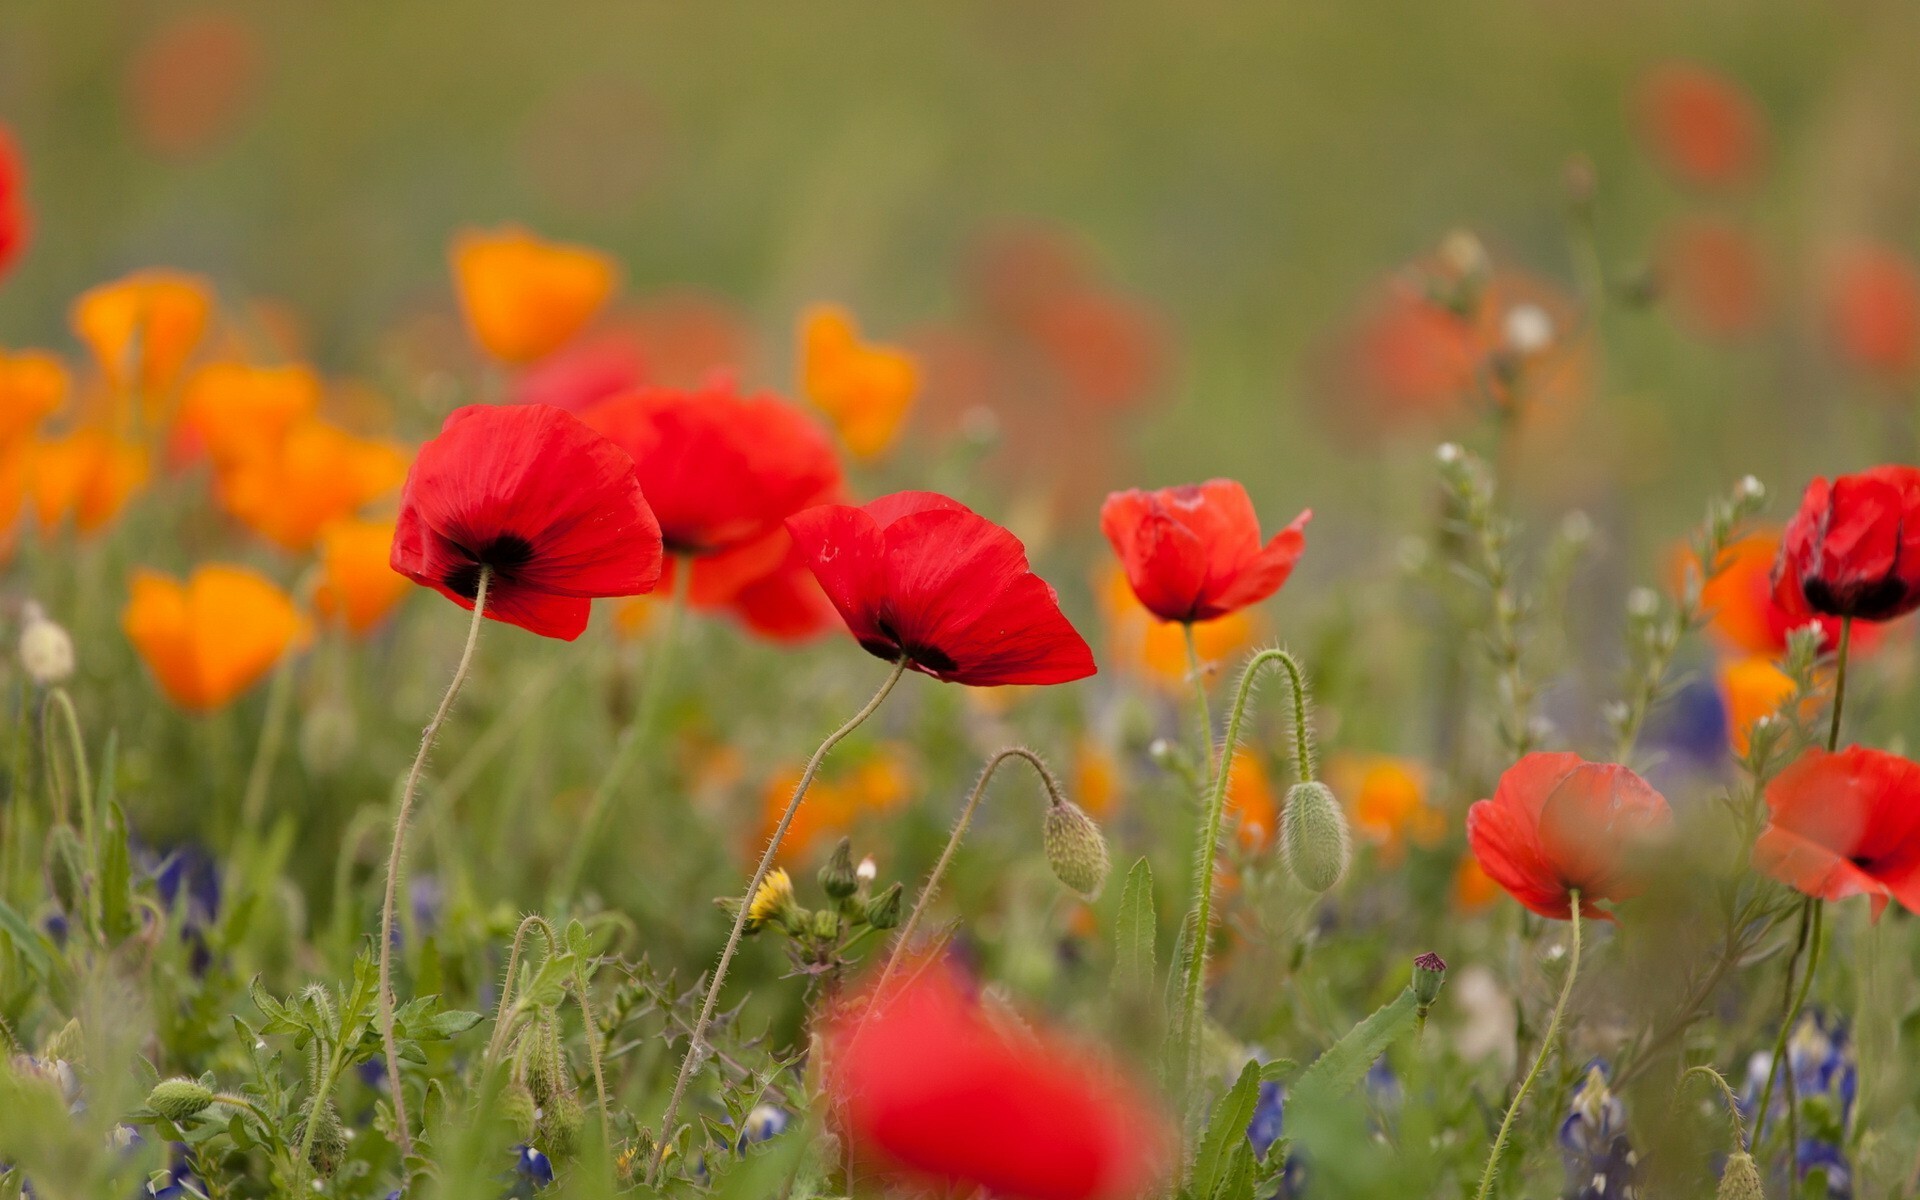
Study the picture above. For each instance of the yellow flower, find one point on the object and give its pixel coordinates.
(1388, 800)
(774, 897)
(143, 328)
(211, 638)
(524, 296)
(1753, 688)
(865, 389)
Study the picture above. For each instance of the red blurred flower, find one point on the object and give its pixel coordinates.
(931, 1086)
(1711, 271)
(1699, 126)
(1873, 311)
(576, 377)
(1193, 552)
(1558, 823)
(1845, 824)
(786, 604)
(553, 508)
(14, 221)
(720, 470)
(920, 575)
(192, 79)
(1853, 549)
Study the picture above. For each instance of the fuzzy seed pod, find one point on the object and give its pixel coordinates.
(560, 1124)
(1741, 1179)
(329, 1140)
(1075, 848)
(518, 1110)
(1313, 836)
(179, 1099)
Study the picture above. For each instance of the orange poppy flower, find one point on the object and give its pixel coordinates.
(1097, 779)
(1251, 797)
(1388, 799)
(89, 474)
(358, 585)
(524, 296)
(1473, 889)
(1701, 127)
(1744, 613)
(865, 389)
(211, 638)
(317, 474)
(880, 783)
(33, 386)
(192, 79)
(143, 328)
(1752, 688)
(1873, 311)
(234, 410)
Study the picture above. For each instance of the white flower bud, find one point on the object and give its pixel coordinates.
(46, 650)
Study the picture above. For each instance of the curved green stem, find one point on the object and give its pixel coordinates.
(402, 1135)
(1209, 846)
(1198, 670)
(82, 775)
(1547, 1043)
(502, 1017)
(927, 890)
(633, 739)
(1726, 1093)
(696, 1041)
(1840, 683)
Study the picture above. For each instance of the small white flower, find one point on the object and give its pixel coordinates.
(867, 871)
(1752, 489)
(1528, 329)
(1449, 453)
(46, 650)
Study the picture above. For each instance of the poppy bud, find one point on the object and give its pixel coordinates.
(179, 1099)
(329, 1143)
(560, 1122)
(1741, 1179)
(1075, 849)
(518, 1110)
(1313, 836)
(837, 878)
(883, 911)
(46, 650)
(1429, 973)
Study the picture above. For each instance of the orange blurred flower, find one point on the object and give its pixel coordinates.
(234, 411)
(878, 783)
(1742, 612)
(358, 585)
(1873, 311)
(89, 474)
(523, 296)
(1710, 269)
(316, 475)
(143, 328)
(211, 638)
(1156, 650)
(1251, 798)
(1701, 127)
(189, 82)
(1097, 781)
(1473, 889)
(865, 389)
(1388, 799)
(1752, 688)
(33, 386)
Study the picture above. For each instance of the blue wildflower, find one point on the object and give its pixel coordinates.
(1826, 1080)
(764, 1123)
(532, 1171)
(1599, 1158)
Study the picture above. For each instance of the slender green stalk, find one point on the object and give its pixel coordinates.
(402, 1135)
(1840, 683)
(83, 781)
(696, 1041)
(503, 1014)
(1198, 670)
(273, 733)
(1209, 847)
(939, 871)
(1812, 914)
(1547, 1043)
(633, 739)
(1726, 1093)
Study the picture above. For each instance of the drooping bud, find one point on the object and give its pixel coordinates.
(883, 911)
(46, 650)
(1075, 848)
(518, 1110)
(1741, 1179)
(837, 878)
(1313, 836)
(180, 1100)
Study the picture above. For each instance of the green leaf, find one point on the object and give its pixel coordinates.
(1226, 1127)
(1134, 932)
(116, 865)
(1346, 1062)
(27, 941)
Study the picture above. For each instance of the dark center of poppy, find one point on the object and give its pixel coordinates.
(1863, 861)
(503, 554)
(932, 658)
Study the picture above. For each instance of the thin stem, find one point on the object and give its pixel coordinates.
(1209, 847)
(83, 781)
(927, 890)
(697, 1040)
(593, 1053)
(1789, 1007)
(273, 732)
(501, 1017)
(1726, 1092)
(401, 1134)
(1198, 670)
(1812, 923)
(1840, 683)
(1546, 1048)
(633, 739)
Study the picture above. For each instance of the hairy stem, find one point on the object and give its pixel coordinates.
(1198, 670)
(1547, 1043)
(402, 1135)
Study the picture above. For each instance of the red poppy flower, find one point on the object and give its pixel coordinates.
(1558, 823)
(1193, 553)
(1845, 824)
(1873, 311)
(784, 605)
(920, 575)
(553, 508)
(1712, 271)
(1747, 613)
(1704, 129)
(1853, 549)
(14, 223)
(933, 1088)
(720, 469)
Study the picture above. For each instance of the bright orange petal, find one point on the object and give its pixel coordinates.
(358, 585)
(143, 328)
(524, 296)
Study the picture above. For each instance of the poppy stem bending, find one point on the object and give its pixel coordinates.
(1726, 1091)
(1840, 683)
(401, 1134)
(1198, 670)
(932, 885)
(1547, 1043)
(633, 739)
(1209, 847)
(1811, 921)
(696, 1040)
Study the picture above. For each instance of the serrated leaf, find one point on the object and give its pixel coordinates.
(1226, 1126)
(1134, 959)
(1347, 1061)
